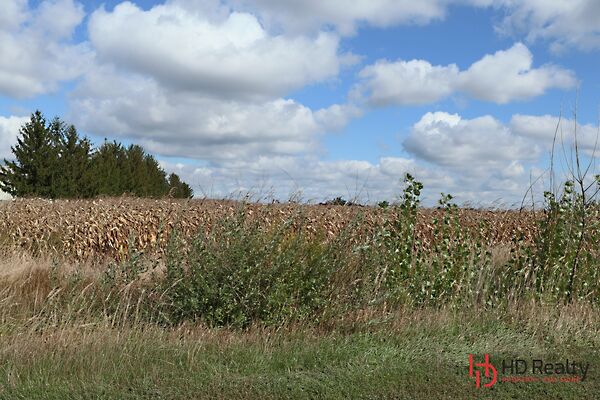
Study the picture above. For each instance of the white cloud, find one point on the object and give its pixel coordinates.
(307, 15)
(478, 146)
(308, 179)
(508, 74)
(57, 19)
(230, 56)
(565, 23)
(35, 45)
(192, 78)
(173, 123)
(542, 129)
(9, 130)
(195, 79)
(337, 116)
(500, 78)
(13, 14)
(408, 82)
(489, 160)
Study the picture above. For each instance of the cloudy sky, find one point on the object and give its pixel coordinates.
(313, 99)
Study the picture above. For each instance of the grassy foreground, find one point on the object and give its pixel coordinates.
(418, 355)
(56, 344)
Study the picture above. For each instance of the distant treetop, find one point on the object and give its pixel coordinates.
(51, 160)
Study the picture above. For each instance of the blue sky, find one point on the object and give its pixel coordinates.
(313, 98)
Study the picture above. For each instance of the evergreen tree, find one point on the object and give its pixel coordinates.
(147, 178)
(52, 161)
(138, 176)
(74, 163)
(158, 185)
(33, 171)
(109, 173)
(178, 188)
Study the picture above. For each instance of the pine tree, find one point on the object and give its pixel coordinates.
(74, 164)
(178, 188)
(108, 175)
(158, 185)
(33, 171)
(139, 180)
(118, 170)
(52, 161)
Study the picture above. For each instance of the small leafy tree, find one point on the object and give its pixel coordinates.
(567, 243)
(397, 239)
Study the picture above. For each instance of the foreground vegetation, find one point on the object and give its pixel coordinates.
(417, 355)
(244, 309)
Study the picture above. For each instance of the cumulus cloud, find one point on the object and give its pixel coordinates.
(501, 77)
(230, 56)
(9, 129)
(194, 125)
(566, 24)
(36, 48)
(306, 15)
(473, 146)
(14, 13)
(494, 160)
(408, 82)
(508, 74)
(195, 79)
(542, 129)
(487, 162)
(198, 80)
(307, 178)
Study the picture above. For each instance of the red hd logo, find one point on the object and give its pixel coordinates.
(488, 370)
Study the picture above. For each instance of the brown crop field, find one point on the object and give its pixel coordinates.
(108, 227)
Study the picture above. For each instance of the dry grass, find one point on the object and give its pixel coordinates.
(28, 285)
(53, 349)
(26, 281)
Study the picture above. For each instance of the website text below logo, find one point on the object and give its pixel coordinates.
(520, 370)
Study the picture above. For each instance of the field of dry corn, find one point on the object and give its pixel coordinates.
(82, 229)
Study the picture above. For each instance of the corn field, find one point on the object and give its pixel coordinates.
(83, 229)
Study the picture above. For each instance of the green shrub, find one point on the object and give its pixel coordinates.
(242, 273)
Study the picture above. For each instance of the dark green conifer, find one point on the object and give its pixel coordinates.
(32, 172)
(52, 161)
(178, 188)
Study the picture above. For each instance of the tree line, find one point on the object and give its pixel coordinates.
(52, 161)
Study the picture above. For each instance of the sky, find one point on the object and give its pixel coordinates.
(313, 99)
